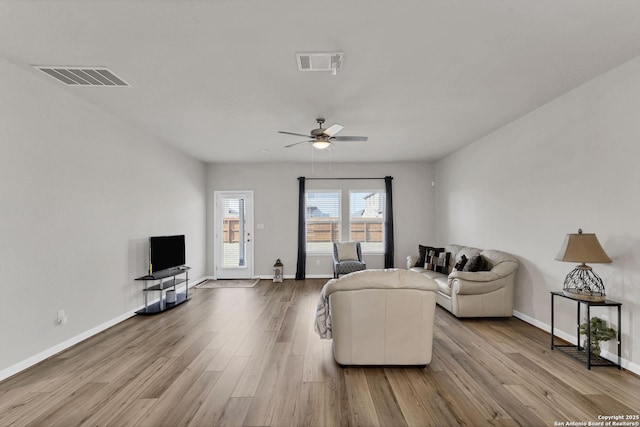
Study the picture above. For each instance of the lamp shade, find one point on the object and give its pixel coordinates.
(582, 247)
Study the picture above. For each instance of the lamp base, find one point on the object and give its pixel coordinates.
(571, 293)
(582, 283)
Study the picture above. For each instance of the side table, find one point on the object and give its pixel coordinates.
(577, 351)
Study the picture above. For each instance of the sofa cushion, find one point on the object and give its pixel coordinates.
(432, 258)
(347, 251)
(429, 273)
(443, 285)
(476, 263)
(468, 251)
(455, 251)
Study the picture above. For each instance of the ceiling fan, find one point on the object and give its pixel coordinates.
(322, 138)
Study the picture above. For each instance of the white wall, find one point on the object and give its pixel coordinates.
(571, 164)
(80, 193)
(275, 189)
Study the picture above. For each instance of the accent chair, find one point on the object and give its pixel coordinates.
(347, 258)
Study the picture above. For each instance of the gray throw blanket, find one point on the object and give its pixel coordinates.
(323, 316)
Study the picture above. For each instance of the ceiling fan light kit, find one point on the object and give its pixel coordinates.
(321, 145)
(323, 138)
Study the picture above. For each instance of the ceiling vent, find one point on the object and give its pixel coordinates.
(324, 61)
(83, 76)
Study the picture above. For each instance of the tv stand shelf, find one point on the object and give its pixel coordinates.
(164, 285)
(162, 281)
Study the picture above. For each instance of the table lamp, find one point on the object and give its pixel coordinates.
(582, 283)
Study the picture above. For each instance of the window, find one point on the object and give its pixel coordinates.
(366, 219)
(359, 217)
(322, 220)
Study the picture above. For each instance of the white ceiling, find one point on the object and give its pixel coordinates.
(218, 79)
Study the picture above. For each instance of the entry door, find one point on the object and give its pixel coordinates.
(233, 234)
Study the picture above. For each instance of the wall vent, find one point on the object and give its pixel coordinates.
(320, 61)
(83, 76)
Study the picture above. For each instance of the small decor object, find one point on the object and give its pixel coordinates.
(582, 283)
(598, 331)
(278, 271)
(171, 297)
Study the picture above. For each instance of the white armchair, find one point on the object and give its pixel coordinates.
(381, 317)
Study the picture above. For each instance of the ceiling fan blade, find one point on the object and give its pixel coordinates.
(350, 138)
(332, 130)
(297, 143)
(296, 134)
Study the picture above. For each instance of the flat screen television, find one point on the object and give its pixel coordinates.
(166, 252)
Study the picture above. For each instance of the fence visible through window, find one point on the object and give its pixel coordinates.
(366, 219)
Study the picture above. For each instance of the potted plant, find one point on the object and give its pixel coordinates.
(599, 331)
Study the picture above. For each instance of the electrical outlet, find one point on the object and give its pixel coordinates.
(62, 318)
(317, 262)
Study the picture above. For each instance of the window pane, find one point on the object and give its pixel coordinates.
(322, 220)
(234, 249)
(366, 220)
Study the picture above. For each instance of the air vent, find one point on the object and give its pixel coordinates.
(84, 76)
(324, 61)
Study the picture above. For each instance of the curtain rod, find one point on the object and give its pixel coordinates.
(309, 179)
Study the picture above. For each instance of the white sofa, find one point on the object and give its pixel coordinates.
(487, 293)
(381, 317)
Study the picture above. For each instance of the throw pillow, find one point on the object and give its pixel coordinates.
(347, 251)
(422, 254)
(462, 261)
(442, 262)
(432, 258)
(476, 263)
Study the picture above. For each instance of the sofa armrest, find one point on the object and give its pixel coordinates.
(412, 261)
(474, 276)
(465, 287)
(505, 268)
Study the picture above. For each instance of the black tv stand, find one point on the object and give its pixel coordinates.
(157, 282)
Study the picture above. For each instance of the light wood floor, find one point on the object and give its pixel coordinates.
(250, 357)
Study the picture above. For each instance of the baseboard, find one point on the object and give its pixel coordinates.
(571, 338)
(193, 283)
(311, 276)
(52, 351)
